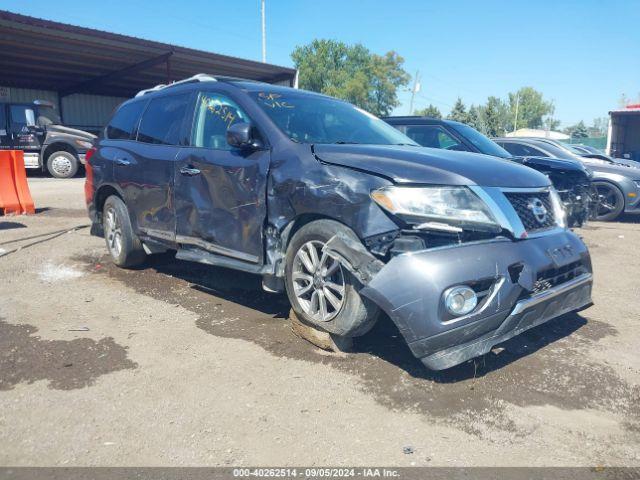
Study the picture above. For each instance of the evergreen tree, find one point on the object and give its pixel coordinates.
(459, 112)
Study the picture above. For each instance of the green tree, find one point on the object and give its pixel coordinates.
(531, 107)
(579, 130)
(474, 118)
(352, 73)
(551, 123)
(459, 112)
(431, 111)
(496, 117)
(387, 76)
(599, 127)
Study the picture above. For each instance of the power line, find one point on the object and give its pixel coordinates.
(264, 34)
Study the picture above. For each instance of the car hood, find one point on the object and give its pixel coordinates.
(624, 170)
(406, 164)
(71, 131)
(557, 165)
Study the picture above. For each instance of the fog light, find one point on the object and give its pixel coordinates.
(460, 300)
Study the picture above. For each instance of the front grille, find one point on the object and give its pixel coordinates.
(534, 209)
(552, 277)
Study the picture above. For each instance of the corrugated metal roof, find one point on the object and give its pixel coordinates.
(41, 54)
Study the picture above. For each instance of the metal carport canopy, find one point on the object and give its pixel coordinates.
(42, 54)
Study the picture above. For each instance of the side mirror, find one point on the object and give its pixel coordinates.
(239, 135)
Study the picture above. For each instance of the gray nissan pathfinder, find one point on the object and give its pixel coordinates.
(342, 211)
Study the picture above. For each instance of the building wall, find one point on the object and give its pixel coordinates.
(90, 112)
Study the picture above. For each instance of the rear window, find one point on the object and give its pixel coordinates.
(123, 123)
(163, 119)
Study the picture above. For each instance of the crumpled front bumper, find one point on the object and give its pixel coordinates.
(410, 290)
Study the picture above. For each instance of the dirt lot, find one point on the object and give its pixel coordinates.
(180, 364)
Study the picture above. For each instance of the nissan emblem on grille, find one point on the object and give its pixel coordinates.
(538, 209)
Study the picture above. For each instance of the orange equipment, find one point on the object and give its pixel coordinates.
(15, 197)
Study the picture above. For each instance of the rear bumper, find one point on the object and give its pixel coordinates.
(410, 290)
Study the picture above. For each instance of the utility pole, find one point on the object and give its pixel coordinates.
(264, 35)
(515, 121)
(414, 90)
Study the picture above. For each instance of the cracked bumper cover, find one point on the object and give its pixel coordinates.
(410, 289)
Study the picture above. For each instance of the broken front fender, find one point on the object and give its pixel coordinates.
(410, 289)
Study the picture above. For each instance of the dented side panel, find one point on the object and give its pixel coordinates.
(299, 184)
(222, 208)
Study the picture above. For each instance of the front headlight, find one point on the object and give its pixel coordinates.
(455, 206)
(558, 209)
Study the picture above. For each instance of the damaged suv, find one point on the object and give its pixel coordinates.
(343, 212)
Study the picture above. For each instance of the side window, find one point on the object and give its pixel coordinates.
(21, 116)
(123, 123)
(162, 120)
(514, 149)
(534, 152)
(215, 113)
(433, 136)
(520, 150)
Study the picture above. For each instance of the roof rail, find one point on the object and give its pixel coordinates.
(200, 77)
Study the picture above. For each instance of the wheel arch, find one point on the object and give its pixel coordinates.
(101, 195)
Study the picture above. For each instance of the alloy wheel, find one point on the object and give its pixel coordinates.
(113, 232)
(607, 200)
(318, 282)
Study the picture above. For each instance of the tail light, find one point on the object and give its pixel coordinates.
(88, 182)
(89, 154)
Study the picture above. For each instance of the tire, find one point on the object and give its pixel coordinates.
(62, 164)
(355, 314)
(610, 201)
(123, 244)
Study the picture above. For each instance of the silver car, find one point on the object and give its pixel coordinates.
(617, 183)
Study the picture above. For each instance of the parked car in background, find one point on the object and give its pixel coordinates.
(570, 178)
(617, 185)
(592, 152)
(35, 129)
(340, 210)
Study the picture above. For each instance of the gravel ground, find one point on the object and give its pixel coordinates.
(181, 364)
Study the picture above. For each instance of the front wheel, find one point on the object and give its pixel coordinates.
(610, 201)
(62, 164)
(322, 292)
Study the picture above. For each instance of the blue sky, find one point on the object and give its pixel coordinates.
(583, 54)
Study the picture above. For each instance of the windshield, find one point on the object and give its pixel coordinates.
(47, 116)
(482, 143)
(314, 119)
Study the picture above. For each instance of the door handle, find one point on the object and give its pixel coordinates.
(189, 171)
(123, 161)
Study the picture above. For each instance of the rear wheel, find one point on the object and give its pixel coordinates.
(322, 292)
(62, 164)
(610, 201)
(123, 244)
